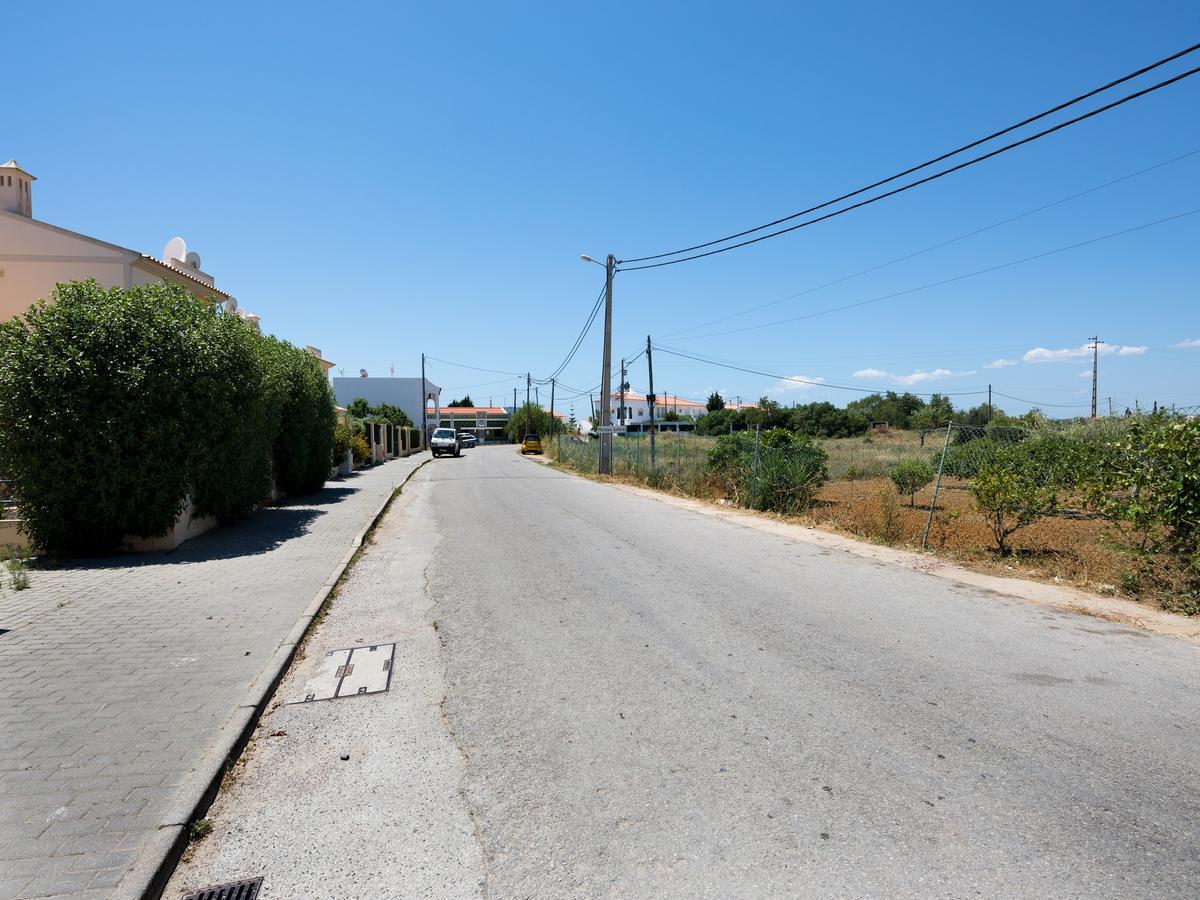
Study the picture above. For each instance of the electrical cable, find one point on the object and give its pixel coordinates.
(1036, 403)
(906, 187)
(944, 281)
(578, 341)
(476, 368)
(823, 384)
(937, 246)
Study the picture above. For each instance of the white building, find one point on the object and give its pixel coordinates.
(35, 256)
(402, 392)
(635, 415)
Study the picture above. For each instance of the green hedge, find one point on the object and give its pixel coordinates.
(117, 405)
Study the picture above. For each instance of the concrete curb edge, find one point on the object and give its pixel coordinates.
(159, 856)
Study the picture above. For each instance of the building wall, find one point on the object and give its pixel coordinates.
(402, 392)
(34, 259)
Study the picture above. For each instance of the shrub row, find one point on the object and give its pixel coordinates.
(777, 470)
(116, 406)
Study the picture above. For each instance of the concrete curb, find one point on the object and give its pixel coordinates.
(159, 856)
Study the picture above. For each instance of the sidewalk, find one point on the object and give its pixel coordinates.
(127, 680)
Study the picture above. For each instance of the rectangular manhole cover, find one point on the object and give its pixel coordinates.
(234, 890)
(351, 672)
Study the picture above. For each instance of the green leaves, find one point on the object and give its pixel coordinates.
(775, 470)
(116, 406)
(910, 475)
(1011, 491)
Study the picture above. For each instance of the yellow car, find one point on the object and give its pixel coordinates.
(531, 444)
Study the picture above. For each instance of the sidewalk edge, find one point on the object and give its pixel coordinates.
(159, 856)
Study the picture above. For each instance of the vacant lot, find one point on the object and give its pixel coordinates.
(1072, 546)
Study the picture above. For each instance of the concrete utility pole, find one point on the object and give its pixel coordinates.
(1110, 411)
(528, 424)
(621, 408)
(650, 396)
(989, 418)
(604, 464)
(552, 423)
(424, 393)
(1096, 342)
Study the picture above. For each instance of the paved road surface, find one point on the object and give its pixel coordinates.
(122, 680)
(645, 701)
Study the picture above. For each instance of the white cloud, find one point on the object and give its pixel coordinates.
(913, 378)
(1188, 345)
(787, 386)
(1041, 354)
(1001, 363)
(1086, 373)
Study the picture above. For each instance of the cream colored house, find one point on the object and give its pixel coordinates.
(35, 256)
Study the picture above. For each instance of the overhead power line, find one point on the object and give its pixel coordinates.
(823, 384)
(944, 281)
(475, 368)
(920, 181)
(937, 246)
(1039, 403)
(587, 325)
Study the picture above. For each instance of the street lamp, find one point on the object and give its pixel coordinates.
(605, 463)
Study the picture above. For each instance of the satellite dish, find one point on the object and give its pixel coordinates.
(175, 249)
(231, 305)
(193, 259)
(362, 373)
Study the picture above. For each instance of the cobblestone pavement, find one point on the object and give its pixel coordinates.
(124, 680)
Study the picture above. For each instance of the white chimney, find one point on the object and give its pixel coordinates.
(16, 189)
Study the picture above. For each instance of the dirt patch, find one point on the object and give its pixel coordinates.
(1071, 546)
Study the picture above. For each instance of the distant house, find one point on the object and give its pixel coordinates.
(485, 422)
(635, 415)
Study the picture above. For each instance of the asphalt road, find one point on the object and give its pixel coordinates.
(644, 701)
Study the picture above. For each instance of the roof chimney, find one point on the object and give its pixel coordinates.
(16, 189)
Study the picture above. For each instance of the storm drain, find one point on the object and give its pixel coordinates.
(351, 672)
(234, 890)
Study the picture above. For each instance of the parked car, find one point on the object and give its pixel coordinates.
(467, 439)
(445, 442)
(531, 444)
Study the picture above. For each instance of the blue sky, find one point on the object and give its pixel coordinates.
(386, 179)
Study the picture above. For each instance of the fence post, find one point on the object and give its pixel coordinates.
(936, 486)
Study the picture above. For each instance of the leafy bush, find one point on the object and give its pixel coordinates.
(964, 460)
(531, 419)
(307, 417)
(1147, 481)
(779, 471)
(103, 402)
(1011, 492)
(343, 436)
(116, 406)
(910, 475)
(360, 449)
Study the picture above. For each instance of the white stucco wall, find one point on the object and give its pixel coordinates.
(402, 392)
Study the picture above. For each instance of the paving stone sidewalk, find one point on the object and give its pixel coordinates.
(122, 681)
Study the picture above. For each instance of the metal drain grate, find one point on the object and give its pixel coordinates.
(351, 672)
(234, 890)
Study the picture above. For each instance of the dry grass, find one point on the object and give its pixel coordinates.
(1070, 547)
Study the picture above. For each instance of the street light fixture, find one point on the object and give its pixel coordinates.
(604, 465)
